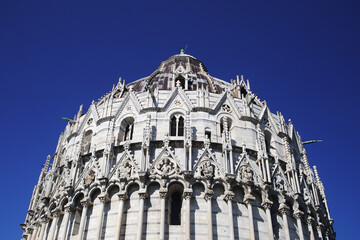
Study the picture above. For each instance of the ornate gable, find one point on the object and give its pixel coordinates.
(90, 173)
(126, 168)
(267, 120)
(206, 166)
(130, 103)
(227, 104)
(90, 119)
(247, 171)
(178, 98)
(279, 180)
(166, 163)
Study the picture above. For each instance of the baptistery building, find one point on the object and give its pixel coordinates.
(179, 154)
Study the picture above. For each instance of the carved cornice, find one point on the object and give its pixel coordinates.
(229, 196)
(283, 209)
(143, 195)
(122, 196)
(104, 198)
(267, 204)
(85, 202)
(163, 193)
(104, 119)
(248, 198)
(310, 220)
(187, 193)
(69, 207)
(208, 195)
(298, 214)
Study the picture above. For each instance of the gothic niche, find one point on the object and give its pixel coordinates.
(86, 143)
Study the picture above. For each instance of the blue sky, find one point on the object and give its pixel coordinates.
(302, 57)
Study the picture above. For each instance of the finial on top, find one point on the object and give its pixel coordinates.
(182, 51)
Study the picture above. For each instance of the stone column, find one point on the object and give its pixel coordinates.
(68, 208)
(85, 202)
(229, 197)
(297, 215)
(268, 170)
(163, 195)
(54, 222)
(267, 206)
(31, 231)
(187, 197)
(27, 235)
(44, 225)
(262, 164)
(103, 197)
(208, 198)
(283, 210)
(310, 228)
(248, 200)
(122, 197)
(142, 196)
(36, 229)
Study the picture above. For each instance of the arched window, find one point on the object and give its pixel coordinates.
(181, 81)
(175, 203)
(208, 134)
(243, 92)
(129, 131)
(86, 144)
(268, 141)
(177, 126)
(126, 129)
(225, 121)
(77, 215)
(175, 211)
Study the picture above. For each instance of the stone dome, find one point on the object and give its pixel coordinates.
(179, 155)
(185, 69)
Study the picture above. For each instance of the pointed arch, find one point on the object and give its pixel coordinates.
(86, 143)
(177, 125)
(126, 129)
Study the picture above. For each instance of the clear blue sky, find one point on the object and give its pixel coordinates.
(302, 57)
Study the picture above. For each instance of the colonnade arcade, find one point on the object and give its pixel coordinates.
(227, 201)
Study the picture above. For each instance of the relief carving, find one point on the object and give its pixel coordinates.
(126, 170)
(207, 170)
(166, 166)
(245, 173)
(279, 183)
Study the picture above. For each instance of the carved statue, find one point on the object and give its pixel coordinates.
(306, 195)
(206, 141)
(90, 177)
(246, 173)
(279, 182)
(61, 190)
(125, 170)
(207, 170)
(166, 166)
